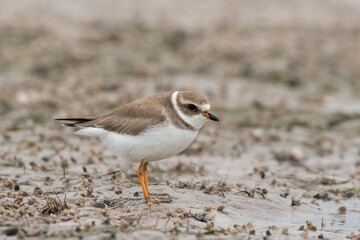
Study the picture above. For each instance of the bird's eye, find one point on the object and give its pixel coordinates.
(192, 107)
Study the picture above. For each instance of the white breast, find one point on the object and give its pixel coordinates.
(156, 143)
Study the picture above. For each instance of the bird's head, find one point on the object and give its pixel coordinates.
(193, 108)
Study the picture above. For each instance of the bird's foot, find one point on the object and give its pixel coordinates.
(162, 198)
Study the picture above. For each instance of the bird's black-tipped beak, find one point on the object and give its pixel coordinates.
(211, 116)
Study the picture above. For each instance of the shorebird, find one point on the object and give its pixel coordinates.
(149, 129)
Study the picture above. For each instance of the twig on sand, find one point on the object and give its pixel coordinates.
(251, 193)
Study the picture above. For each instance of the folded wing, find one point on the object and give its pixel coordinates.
(130, 119)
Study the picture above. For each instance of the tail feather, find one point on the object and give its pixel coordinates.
(74, 122)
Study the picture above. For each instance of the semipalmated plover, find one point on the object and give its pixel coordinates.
(149, 129)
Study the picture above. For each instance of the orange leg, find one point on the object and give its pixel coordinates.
(140, 173)
(144, 168)
(140, 176)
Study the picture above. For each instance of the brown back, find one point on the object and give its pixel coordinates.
(135, 117)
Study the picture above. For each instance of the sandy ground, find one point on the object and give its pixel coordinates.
(283, 77)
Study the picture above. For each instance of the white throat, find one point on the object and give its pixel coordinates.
(195, 121)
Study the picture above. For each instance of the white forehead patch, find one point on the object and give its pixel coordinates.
(196, 121)
(205, 107)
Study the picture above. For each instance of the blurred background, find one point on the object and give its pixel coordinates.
(283, 76)
(65, 58)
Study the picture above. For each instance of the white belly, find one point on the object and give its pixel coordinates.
(154, 144)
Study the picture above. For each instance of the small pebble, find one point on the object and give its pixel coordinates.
(99, 205)
(252, 232)
(301, 228)
(11, 231)
(17, 187)
(295, 203)
(207, 209)
(310, 226)
(45, 159)
(221, 208)
(285, 231)
(349, 195)
(284, 195)
(321, 236)
(324, 197)
(113, 235)
(106, 222)
(268, 233)
(136, 194)
(342, 210)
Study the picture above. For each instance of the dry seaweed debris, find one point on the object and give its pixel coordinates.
(217, 188)
(201, 217)
(54, 205)
(252, 193)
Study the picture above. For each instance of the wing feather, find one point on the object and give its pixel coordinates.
(130, 119)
